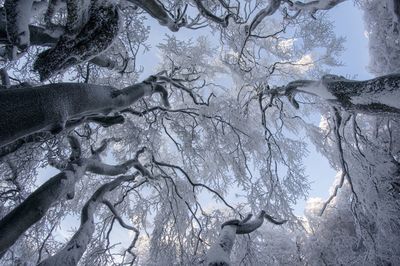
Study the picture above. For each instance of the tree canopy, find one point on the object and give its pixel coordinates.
(174, 132)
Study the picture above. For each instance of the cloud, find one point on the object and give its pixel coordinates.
(305, 63)
(314, 206)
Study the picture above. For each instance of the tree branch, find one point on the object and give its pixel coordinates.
(93, 38)
(375, 96)
(74, 249)
(224, 21)
(58, 188)
(155, 9)
(61, 103)
(219, 253)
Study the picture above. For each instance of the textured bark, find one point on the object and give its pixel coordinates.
(18, 13)
(50, 107)
(93, 38)
(37, 34)
(77, 15)
(52, 8)
(378, 96)
(157, 11)
(58, 188)
(219, 253)
(72, 252)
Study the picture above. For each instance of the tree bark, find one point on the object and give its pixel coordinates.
(49, 107)
(18, 14)
(72, 252)
(58, 188)
(157, 11)
(80, 43)
(219, 253)
(378, 96)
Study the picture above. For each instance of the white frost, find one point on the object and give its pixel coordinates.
(318, 89)
(388, 97)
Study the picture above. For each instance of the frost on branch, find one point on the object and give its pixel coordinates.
(64, 105)
(222, 136)
(376, 96)
(383, 32)
(57, 189)
(157, 10)
(93, 38)
(74, 249)
(219, 253)
(18, 14)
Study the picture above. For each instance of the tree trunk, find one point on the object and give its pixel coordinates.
(59, 187)
(72, 252)
(219, 253)
(15, 223)
(378, 96)
(49, 107)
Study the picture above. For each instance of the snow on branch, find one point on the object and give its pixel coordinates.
(344, 171)
(84, 101)
(219, 252)
(18, 14)
(74, 249)
(205, 12)
(262, 14)
(59, 188)
(192, 183)
(376, 96)
(316, 5)
(157, 10)
(90, 40)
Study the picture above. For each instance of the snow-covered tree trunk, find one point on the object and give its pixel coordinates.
(219, 253)
(58, 188)
(378, 206)
(376, 96)
(80, 42)
(50, 107)
(72, 252)
(14, 224)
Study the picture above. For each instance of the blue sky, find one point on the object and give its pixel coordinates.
(355, 59)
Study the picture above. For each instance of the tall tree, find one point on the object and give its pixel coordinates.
(227, 136)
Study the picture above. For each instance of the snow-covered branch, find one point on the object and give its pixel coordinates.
(262, 14)
(64, 102)
(18, 14)
(90, 40)
(376, 96)
(219, 253)
(316, 5)
(205, 12)
(58, 188)
(156, 9)
(74, 249)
